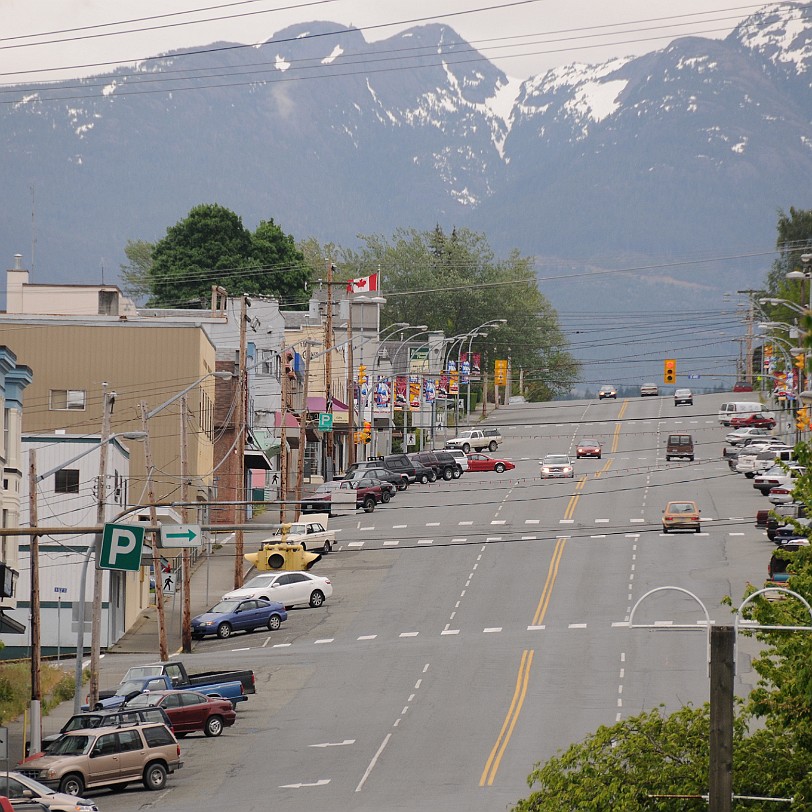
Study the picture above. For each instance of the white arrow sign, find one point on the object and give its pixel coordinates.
(319, 783)
(334, 744)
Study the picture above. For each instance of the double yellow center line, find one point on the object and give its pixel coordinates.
(523, 677)
(568, 513)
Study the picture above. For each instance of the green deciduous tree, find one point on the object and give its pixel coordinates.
(454, 283)
(135, 274)
(212, 247)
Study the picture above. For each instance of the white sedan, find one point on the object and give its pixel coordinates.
(780, 495)
(740, 435)
(288, 588)
(554, 466)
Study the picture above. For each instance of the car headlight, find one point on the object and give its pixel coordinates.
(568, 470)
(85, 807)
(207, 623)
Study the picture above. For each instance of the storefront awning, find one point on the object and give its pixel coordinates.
(256, 460)
(264, 440)
(8, 625)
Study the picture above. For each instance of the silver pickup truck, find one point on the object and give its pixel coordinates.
(476, 440)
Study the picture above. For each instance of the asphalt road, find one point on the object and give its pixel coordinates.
(477, 626)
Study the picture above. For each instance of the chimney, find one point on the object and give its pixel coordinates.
(16, 279)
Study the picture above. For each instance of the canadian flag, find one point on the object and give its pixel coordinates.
(363, 285)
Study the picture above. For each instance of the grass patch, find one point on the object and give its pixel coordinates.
(15, 688)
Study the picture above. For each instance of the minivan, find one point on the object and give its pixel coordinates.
(739, 408)
(679, 445)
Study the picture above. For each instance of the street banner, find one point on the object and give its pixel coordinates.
(383, 396)
(454, 383)
(452, 366)
(429, 390)
(442, 386)
(476, 368)
(414, 392)
(465, 368)
(401, 392)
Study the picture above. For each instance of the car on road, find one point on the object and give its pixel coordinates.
(16, 786)
(799, 529)
(367, 496)
(739, 436)
(107, 757)
(422, 473)
(648, 390)
(778, 476)
(460, 457)
(742, 386)
(190, 711)
(288, 588)
(760, 420)
(780, 495)
(395, 482)
(554, 466)
(607, 390)
(681, 516)
(588, 448)
(484, 462)
(683, 396)
(238, 615)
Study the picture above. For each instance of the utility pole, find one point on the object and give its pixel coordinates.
(36, 656)
(163, 646)
(108, 400)
(350, 391)
(748, 354)
(283, 444)
(509, 384)
(186, 621)
(303, 430)
(242, 392)
(720, 775)
(328, 372)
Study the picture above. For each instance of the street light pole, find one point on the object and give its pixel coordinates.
(108, 400)
(36, 656)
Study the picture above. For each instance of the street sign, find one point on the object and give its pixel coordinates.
(168, 583)
(180, 535)
(694, 377)
(325, 421)
(121, 547)
(4, 744)
(60, 589)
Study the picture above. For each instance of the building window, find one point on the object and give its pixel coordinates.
(268, 363)
(67, 481)
(65, 399)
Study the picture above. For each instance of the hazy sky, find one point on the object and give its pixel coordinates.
(536, 34)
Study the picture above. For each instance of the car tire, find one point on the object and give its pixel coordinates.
(665, 529)
(72, 784)
(466, 447)
(224, 631)
(423, 479)
(492, 446)
(448, 474)
(667, 458)
(369, 504)
(316, 598)
(328, 547)
(456, 472)
(691, 458)
(155, 776)
(214, 724)
(274, 622)
(402, 486)
(698, 530)
(599, 456)
(433, 476)
(385, 497)
(499, 468)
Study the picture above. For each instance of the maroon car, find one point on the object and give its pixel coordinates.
(189, 711)
(368, 493)
(759, 421)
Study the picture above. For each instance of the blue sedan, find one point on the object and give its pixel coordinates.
(232, 615)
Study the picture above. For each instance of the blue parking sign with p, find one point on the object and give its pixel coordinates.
(121, 547)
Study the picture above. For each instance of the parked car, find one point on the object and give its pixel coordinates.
(288, 588)
(101, 718)
(483, 462)
(738, 436)
(444, 465)
(201, 681)
(423, 473)
(759, 420)
(588, 448)
(780, 495)
(554, 466)
(190, 711)
(683, 396)
(776, 477)
(681, 516)
(231, 690)
(18, 787)
(396, 463)
(234, 615)
(367, 495)
(460, 457)
(107, 757)
(798, 529)
(777, 568)
(649, 390)
(362, 470)
(779, 516)
(311, 532)
(607, 390)
(753, 460)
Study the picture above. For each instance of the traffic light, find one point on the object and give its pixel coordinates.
(282, 557)
(362, 374)
(365, 435)
(670, 371)
(802, 419)
(800, 360)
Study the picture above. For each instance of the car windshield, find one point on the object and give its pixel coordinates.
(556, 459)
(260, 581)
(30, 783)
(589, 442)
(70, 746)
(83, 722)
(129, 687)
(224, 607)
(607, 386)
(327, 487)
(681, 507)
(144, 700)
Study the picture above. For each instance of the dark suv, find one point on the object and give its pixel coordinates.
(396, 463)
(376, 471)
(443, 464)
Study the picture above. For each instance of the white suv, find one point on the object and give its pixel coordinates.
(459, 456)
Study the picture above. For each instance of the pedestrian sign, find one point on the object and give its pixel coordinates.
(325, 421)
(168, 583)
(121, 547)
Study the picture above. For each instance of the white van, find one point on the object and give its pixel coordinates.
(740, 408)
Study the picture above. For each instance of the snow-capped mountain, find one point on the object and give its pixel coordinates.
(687, 151)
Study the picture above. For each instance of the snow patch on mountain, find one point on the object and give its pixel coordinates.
(334, 54)
(780, 33)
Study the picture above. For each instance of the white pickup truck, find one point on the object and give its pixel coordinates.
(311, 532)
(476, 440)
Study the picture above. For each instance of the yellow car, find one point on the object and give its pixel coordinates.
(681, 516)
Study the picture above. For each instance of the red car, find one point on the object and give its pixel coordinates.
(482, 462)
(759, 421)
(588, 448)
(190, 711)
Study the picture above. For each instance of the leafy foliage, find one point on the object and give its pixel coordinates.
(135, 274)
(454, 283)
(212, 247)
